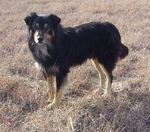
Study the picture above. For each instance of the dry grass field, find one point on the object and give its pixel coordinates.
(23, 91)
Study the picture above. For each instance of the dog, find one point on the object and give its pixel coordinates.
(56, 49)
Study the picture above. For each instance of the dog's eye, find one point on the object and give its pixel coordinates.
(35, 27)
(47, 28)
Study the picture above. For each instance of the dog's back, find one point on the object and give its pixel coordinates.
(91, 40)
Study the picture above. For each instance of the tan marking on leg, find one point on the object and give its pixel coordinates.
(52, 88)
(58, 95)
(101, 74)
(108, 79)
(61, 92)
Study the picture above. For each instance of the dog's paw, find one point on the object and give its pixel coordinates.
(49, 101)
(50, 106)
(107, 94)
(98, 91)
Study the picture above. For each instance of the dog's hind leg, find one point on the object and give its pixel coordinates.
(101, 74)
(108, 79)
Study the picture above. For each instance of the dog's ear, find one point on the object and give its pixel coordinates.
(29, 19)
(55, 20)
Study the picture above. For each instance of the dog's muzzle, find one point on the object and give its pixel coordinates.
(39, 40)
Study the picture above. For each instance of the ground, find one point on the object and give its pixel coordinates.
(23, 91)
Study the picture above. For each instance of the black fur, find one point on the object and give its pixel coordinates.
(72, 46)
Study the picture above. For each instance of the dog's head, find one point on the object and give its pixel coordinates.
(42, 28)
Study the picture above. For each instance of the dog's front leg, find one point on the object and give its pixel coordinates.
(52, 88)
(57, 87)
(61, 86)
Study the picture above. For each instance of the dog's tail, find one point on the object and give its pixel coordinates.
(123, 51)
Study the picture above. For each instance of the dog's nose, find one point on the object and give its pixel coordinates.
(40, 39)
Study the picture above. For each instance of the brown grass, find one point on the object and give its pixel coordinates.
(23, 91)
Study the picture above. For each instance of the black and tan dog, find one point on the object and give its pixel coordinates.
(55, 49)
